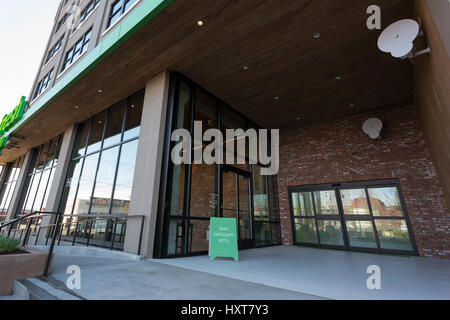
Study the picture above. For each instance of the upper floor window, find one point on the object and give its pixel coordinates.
(43, 84)
(118, 8)
(62, 21)
(54, 50)
(88, 9)
(77, 50)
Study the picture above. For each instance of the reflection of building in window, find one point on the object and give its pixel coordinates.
(101, 205)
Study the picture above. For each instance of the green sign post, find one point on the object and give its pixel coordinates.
(224, 238)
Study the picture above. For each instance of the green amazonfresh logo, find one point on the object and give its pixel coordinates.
(10, 120)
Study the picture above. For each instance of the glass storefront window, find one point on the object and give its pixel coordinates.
(370, 216)
(306, 231)
(100, 180)
(361, 234)
(197, 192)
(330, 232)
(124, 181)
(134, 115)
(13, 170)
(385, 202)
(40, 177)
(354, 201)
(302, 204)
(326, 203)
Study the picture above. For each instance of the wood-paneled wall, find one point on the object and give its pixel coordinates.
(432, 95)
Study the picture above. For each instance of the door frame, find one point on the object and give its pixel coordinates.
(246, 243)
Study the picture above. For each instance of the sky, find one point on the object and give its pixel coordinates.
(26, 27)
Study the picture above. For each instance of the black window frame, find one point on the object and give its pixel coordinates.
(343, 218)
(62, 21)
(34, 172)
(80, 47)
(54, 49)
(90, 7)
(167, 172)
(10, 184)
(43, 84)
(75, 157)
(120, 11)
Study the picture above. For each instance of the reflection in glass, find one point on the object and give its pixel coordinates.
(113, 134)
(361, 234)
(96, 133)
(83, 199)
(306, 231)
(326, 203)
(100, 180)
(354, 201)
(125, 175)
(393, 234)
(105, 181)
(134, 115)
(330, 232)
(175, 237)
(72, 185)
(385, 202)
(9, 186)
(302, 204)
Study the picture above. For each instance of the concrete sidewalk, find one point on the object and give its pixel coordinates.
(287, 273)
(114, 279)
(330, 273)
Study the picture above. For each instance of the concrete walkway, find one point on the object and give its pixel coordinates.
(115, 279)
(288, 273)
(331, 274)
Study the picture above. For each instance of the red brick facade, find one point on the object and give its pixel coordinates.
(341, 152)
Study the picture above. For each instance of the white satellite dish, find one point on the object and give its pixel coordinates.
(372, 127)
(398, 39)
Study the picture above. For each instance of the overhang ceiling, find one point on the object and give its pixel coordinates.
(292, 78)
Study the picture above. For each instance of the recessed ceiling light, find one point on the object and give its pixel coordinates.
(298, 118)
(277, 98)
(132, 105)
(316, 35)
(200, 23)
(100, 122)
(338, 78)
(352, 105)
(99, 90)
(77, 107)
(245, 68)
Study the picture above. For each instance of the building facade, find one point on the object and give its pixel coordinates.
(118, 77)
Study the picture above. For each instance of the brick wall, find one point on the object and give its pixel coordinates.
(341, 152)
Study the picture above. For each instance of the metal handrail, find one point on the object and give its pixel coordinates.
(56, 228)
(36, 213)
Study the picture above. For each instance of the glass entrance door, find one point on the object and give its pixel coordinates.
(361, 216)
(236, 203)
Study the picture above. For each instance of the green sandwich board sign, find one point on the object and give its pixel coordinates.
(223, 239)
(10, 120)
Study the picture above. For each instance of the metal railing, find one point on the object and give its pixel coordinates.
(100, 230)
